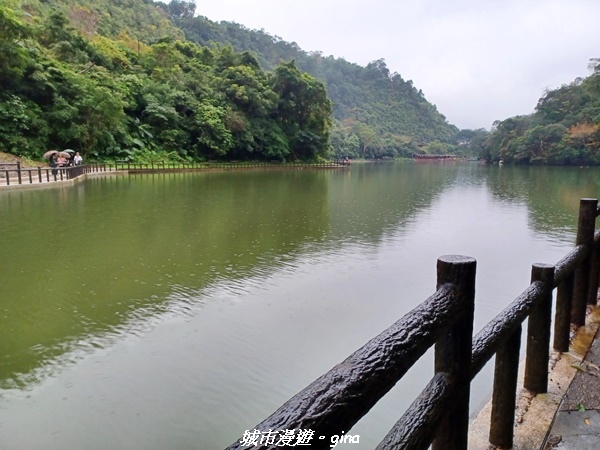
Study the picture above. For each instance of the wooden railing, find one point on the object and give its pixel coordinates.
(439, 416)
(133, 166)
(13, 173)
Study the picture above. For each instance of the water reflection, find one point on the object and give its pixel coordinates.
(219, 295)
(95, 258)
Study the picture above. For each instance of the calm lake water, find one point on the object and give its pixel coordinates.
(177, 311)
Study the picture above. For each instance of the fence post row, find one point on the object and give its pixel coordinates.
(70, 173)
(459, 356)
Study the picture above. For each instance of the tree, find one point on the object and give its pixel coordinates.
(303, 110)
(14, 56)
(212, 135)
(181, 9)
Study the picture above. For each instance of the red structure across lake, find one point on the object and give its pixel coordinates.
(435, 157)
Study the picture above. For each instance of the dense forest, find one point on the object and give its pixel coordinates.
(116, 79)
(149, 80)
(139, 79)
(563, 130)
(377, 113)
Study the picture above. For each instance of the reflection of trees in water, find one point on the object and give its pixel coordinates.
(551, 194)
(100, 257)
(379, 197)
(111, 254)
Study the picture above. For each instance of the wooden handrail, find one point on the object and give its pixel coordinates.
(338, 399)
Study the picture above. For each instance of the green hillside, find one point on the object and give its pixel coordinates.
(563, 130)
(376, 112)
(116, 79)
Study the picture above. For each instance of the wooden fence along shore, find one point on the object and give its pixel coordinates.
(13, 173)
(439, 416)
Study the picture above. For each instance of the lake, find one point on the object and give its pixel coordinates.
(176, 311)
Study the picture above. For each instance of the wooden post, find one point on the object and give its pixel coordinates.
(19, 172)
(453, 352)
(585, 236)
(592, 298)
(538, 332)
(504, 397)
(562, 323)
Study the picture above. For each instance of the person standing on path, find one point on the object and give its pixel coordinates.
(54, 165)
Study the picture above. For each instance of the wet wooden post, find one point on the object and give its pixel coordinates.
(453, 351)
(562, 324)
(594, 274)
(39, 174)
(504, 397)
(538, 332)
(585, 236)
(19, 172)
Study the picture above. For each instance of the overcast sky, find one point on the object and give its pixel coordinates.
(476, 60)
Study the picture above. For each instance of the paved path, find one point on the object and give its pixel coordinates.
(577, 422)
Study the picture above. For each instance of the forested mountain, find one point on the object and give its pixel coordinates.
(139, 79)
(564, 129)
(115, 79)
(376, 112)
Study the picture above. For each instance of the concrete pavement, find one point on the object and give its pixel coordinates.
(576, 425)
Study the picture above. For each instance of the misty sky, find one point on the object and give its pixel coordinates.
(477, 61)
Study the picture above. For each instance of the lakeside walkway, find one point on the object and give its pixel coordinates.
(576, 425)
(13, 175)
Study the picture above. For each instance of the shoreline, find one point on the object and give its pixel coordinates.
(140, 168)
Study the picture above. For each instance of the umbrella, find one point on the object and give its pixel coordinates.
(49, 153)
(66, 155)
(68, 150)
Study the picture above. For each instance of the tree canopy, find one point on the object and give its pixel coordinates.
(143, 79)
(376, 112)
(116, 79)
(564, 129)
